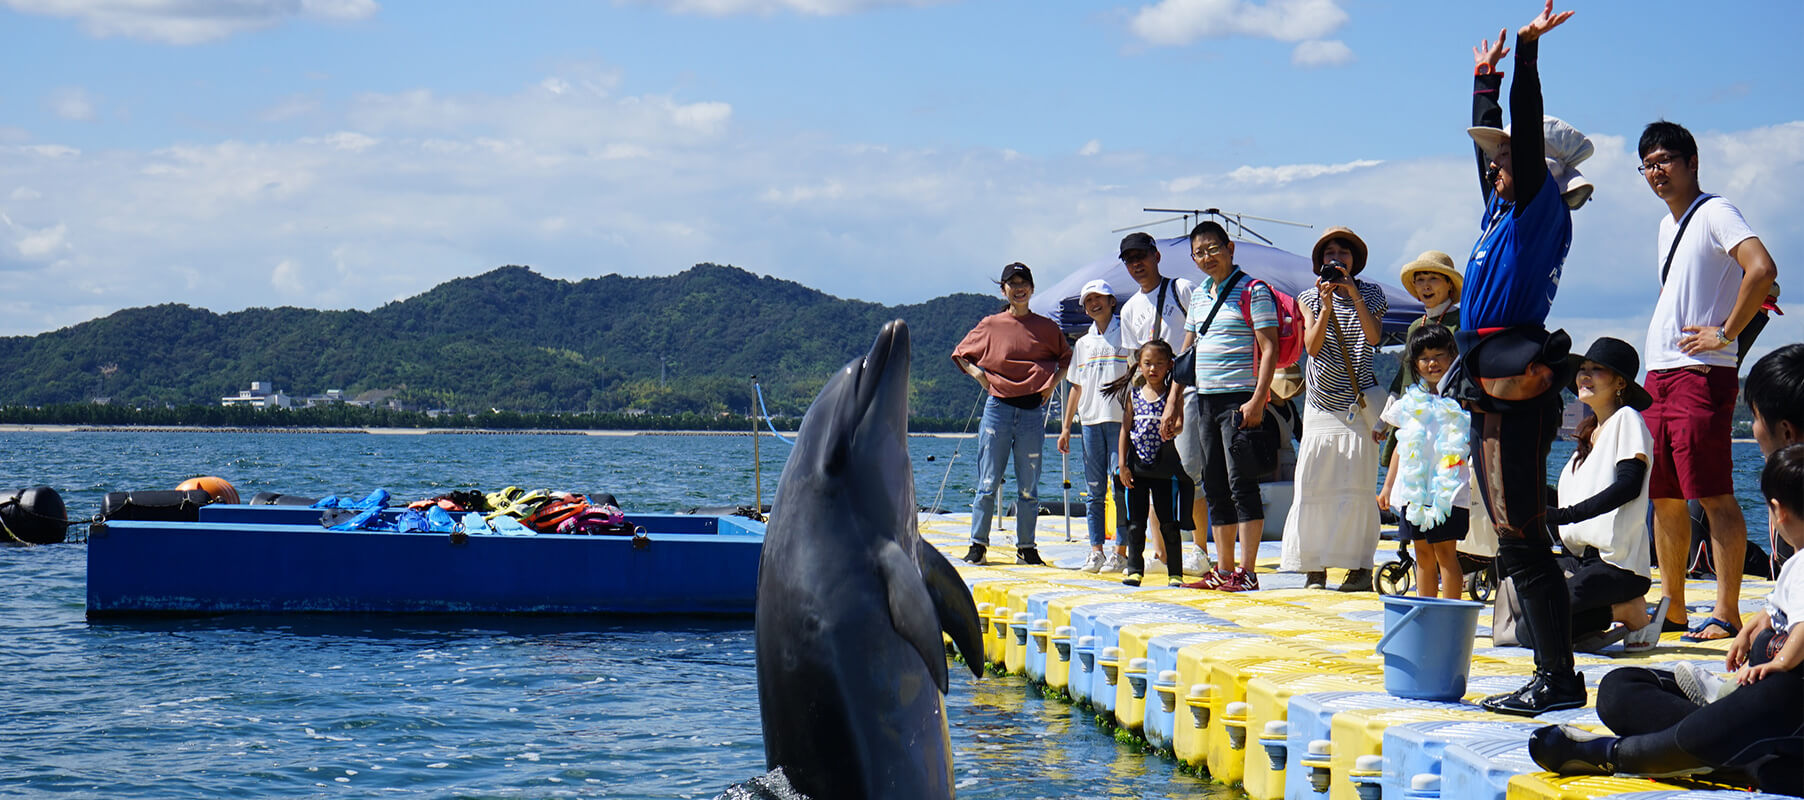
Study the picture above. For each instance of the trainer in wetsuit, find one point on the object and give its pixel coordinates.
(1512, 367)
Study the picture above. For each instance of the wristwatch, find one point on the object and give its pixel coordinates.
(1722, 335)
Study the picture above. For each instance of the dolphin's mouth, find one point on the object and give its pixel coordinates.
(875, 378)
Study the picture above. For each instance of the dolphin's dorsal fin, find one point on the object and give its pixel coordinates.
(952, 603)
(911, 609)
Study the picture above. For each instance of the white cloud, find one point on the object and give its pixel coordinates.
(185, 22)
(287, 278)
(1319, 53)
(289, 108)
(1180, 22)
(71, 103)
(723, 8)
(1091, 148)
(1271, 176)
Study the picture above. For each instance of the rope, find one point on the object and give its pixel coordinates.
(981, 396)
(767, 420)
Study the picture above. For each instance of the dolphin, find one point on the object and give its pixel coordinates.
(852, 671)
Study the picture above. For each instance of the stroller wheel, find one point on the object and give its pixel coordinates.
(1481, 584)
(1394, 578)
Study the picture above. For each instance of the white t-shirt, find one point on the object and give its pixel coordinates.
(1785, 606)
(1097, 359)
(1620, 536)
(1701, 287)
(1137, 315)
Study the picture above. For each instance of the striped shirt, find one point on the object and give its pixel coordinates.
(1224, 353)
(1326, 373)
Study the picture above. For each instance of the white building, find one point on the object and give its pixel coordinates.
(259, 396)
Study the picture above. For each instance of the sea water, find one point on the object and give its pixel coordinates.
(454, 706)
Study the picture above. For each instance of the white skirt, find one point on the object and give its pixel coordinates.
(1333, 520)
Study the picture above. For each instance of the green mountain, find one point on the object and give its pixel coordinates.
(509, 339)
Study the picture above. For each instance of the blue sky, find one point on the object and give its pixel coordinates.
(344, 153)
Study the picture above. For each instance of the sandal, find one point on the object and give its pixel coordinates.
(1642, 640)
(1668, 626)
(1696, 632)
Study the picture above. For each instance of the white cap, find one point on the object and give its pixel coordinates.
(1098, 286)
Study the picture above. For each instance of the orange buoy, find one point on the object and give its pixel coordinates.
(221, 490)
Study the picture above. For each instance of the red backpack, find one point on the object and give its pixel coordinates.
(1290, 323)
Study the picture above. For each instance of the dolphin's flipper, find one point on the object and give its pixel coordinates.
(952, 602)
(911, 610)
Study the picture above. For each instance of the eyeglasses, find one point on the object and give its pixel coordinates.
(1662, 164)
(1208, 252)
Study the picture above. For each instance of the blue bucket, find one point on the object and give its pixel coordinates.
(1427, 646)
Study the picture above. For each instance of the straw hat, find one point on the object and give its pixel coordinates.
(1339, 232)
(1287, 382)
(1436, 262)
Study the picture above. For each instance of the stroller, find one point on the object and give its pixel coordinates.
(1477, 562)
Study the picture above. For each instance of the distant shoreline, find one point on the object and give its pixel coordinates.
(37, 428)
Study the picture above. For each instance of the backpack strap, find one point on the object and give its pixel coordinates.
(1677, 237)
(1220, 299)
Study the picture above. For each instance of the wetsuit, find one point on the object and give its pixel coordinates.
(1511, 278)
(1756, 733)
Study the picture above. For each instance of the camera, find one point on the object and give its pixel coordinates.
(1333, 271)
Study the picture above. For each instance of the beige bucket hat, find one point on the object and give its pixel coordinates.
(1432, 261)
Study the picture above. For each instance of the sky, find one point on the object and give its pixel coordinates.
(346, 153)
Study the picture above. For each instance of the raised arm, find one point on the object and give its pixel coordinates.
(1487, 100)
(1527, 143)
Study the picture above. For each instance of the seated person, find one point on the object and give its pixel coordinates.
(1752, 735)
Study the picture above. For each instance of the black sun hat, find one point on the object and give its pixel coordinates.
(1620, 357)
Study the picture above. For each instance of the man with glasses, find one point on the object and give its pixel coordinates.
(1157, 311)
(1236, 353)
(1714, 276)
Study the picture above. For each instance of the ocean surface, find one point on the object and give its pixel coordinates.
(453, 706)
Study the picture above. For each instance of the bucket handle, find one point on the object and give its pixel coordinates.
(1401, 623)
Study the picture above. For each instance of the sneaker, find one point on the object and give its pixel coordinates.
(1315, 580)
(1213, 579)
(1241, 581)
(1196, 562)
(1113, 563)
(1542, 694)
(975, 554)
(1700, 685)
(1132, 579)
(1093, 563)
(1358, 580)
(1174, 581)
(1566, 750)
(1028, 555)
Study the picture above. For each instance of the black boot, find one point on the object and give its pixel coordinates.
(1542, 694)
(1028, 555)
(975, 554)
(1573, 751)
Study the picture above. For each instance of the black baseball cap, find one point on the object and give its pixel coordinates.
(1014, 269)
(1138, 241)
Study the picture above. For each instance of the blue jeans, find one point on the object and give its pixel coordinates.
(1008, 429)
(1102, 459)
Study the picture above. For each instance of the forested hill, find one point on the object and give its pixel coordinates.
(509, 339)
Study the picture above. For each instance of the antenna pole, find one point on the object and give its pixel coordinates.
(757, 463)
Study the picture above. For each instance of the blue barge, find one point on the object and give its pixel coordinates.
(274, 560)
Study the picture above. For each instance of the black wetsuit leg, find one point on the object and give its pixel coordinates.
(1510, 455)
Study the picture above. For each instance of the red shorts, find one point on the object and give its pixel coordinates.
(1690, 421)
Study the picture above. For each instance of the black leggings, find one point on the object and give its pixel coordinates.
(1509, 453)
(1594, 586)
(1756, 732)
(1165, 487)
